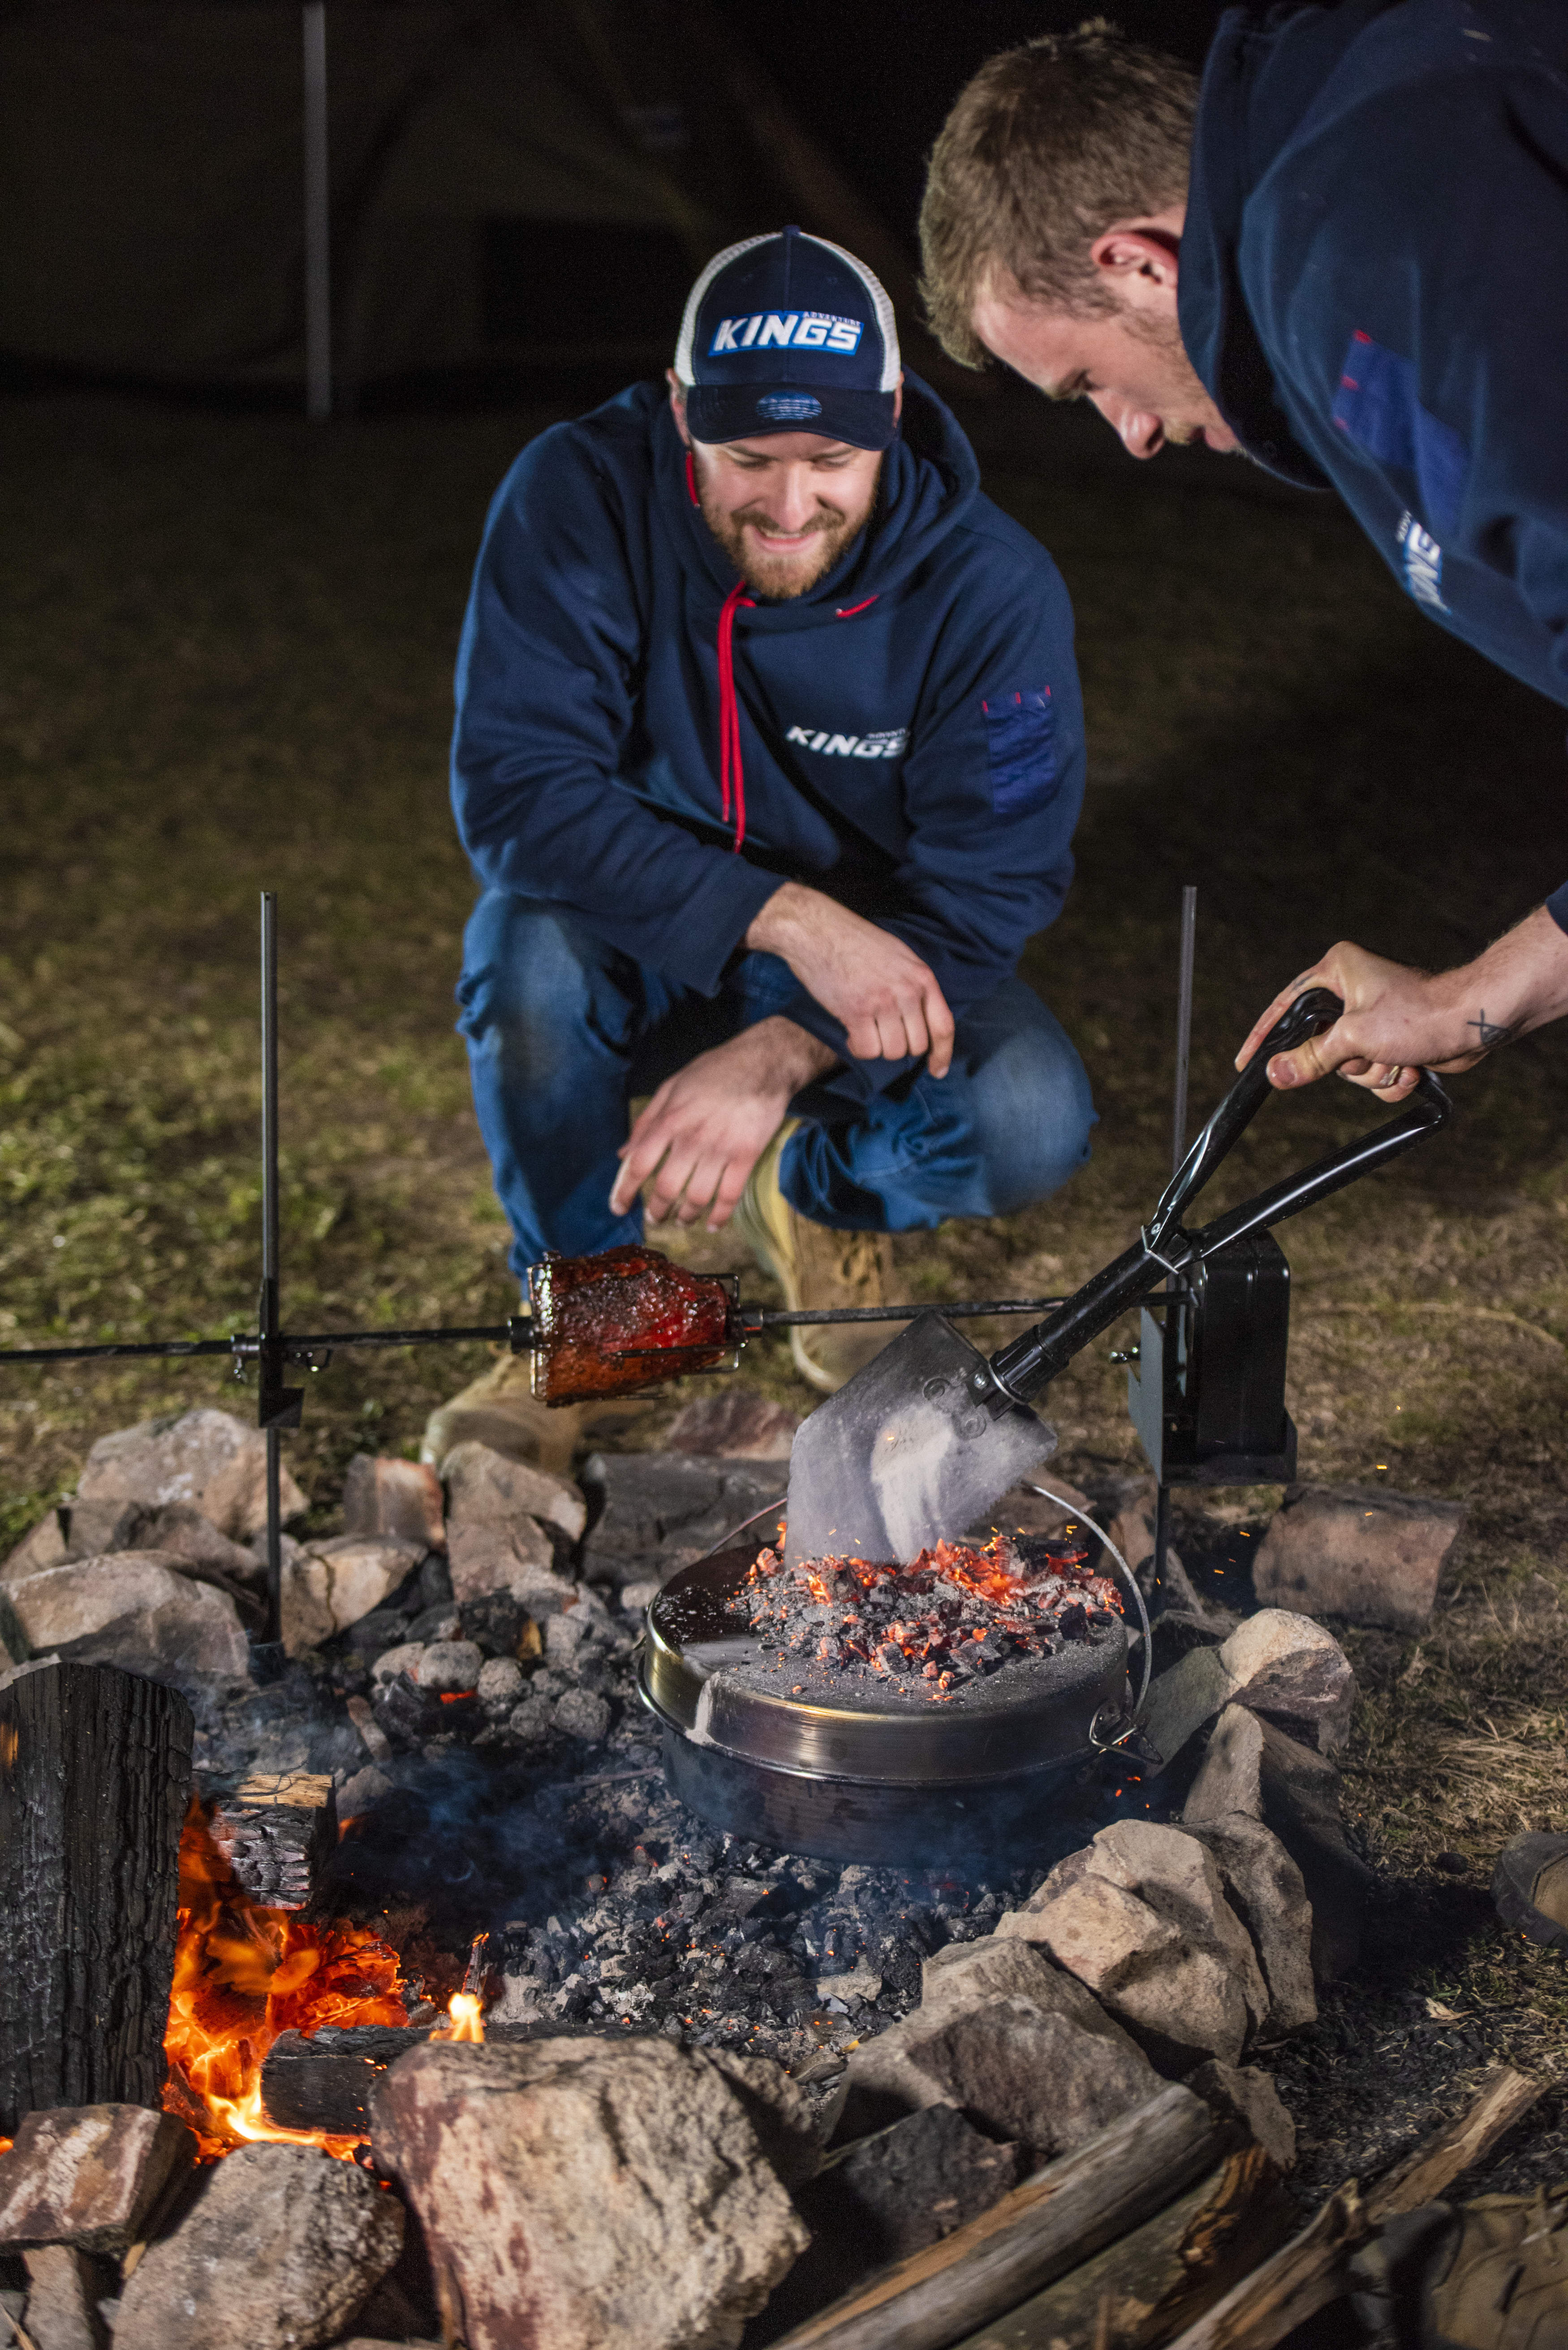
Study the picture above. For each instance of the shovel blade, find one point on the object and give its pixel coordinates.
(902, 1455)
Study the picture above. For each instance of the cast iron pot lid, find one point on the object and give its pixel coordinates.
(706, 1674)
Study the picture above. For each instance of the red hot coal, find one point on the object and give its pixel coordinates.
(957, 1613)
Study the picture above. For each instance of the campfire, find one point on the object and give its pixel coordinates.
(245, 1974)
(954, 1616)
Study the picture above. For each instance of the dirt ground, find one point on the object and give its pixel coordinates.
(225, 651)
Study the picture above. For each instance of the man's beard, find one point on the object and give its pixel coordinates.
(1184, 387)
(779, 578)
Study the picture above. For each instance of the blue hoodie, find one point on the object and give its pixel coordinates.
(1374, 288)
(910, 732)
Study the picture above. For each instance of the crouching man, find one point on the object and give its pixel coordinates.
(768, 755)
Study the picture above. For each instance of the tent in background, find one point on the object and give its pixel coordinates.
(514, 183)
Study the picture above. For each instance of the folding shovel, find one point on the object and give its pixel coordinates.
(926, 1438)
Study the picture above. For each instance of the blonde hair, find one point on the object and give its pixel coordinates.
(1049, 145)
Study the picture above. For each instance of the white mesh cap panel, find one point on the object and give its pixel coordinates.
(694, 300)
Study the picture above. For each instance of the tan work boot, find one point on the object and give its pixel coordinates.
(813, 1266)
(500, 1408)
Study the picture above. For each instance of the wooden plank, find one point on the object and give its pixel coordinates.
(1310, 2272)
(95, 1776)
(1056, 2219)
(1502, 2096)
(1138, 2291)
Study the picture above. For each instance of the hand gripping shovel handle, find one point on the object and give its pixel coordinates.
(1019, 1371)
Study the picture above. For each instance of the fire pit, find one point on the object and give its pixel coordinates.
(786, 1719)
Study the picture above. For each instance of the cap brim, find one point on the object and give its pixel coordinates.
(746, 411)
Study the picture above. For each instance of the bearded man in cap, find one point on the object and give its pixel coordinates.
(769, 752)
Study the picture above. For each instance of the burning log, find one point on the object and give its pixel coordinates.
(277, 1830)
(95, 1769)
(324, 2083)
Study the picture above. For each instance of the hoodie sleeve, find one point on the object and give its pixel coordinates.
(546, 674)
(993, 782)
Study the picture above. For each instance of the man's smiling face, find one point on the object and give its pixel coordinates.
(783, 507)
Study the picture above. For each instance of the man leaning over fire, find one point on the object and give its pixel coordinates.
(768, 755)
(1344, 255)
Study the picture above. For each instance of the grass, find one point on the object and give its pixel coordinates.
(226, 644)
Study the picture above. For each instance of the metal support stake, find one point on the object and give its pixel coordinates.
(318, 220)
(277, 1407)
(1178, 1152)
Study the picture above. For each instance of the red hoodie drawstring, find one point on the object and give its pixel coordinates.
(732, 774)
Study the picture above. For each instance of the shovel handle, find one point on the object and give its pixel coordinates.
(1164, 1247)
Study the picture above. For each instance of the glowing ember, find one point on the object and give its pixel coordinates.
(957, 1613)
(241, 1975)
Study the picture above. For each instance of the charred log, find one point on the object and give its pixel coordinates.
(94, 1774)
(277, 1831)
(324, 2083)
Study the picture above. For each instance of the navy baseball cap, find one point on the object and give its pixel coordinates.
(788, 333)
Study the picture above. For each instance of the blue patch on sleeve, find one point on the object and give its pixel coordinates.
(1378, 409)
(1021, 739)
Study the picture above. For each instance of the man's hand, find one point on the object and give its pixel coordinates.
(1397, 1021)
(706, 1127)
(884, 995)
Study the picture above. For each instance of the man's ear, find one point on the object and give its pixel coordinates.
(1141, 263)
(678, 403)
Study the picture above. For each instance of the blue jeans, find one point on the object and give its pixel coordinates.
(563, 1030)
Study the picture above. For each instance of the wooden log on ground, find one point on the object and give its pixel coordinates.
(1056, 2220)
(1141, 2289)
(277, 1830)
(324, 2083)
(1310, 2271)
(95, 1776)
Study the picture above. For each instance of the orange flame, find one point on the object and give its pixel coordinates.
(241, 1975)
(467, 2013)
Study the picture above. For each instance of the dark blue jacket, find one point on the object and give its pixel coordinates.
(911, 729)
(1374, 288)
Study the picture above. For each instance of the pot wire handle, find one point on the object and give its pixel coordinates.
(1105, 1745)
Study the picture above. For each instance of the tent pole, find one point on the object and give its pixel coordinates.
(318, 220)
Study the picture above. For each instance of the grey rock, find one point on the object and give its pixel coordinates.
(1245, 2094)
(210, 1460)
(1140, 1918)
(330, 1586)
(587, 2193)
(1294, 1672)
(135, 1610)
(1031, 2077)
(280, 2251)
(784, 2114)
(735, 1424)
(501, 1686)
(533, 1721)
(1277, 1663)
(583, 1715)
(654, 1512)
(362, 1791)
(88, 2175)
(1266, 1889)
(486, 1488)
(63, 2289)
(487, 1556)
(1252, 1768)
(907, 2185)
(384, 1495)
(449, 1668)
(893, 2075)
(45, 1546)
(1360, 1551)
(404, 1659)
(1021, 1510)
(1132, 1529)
